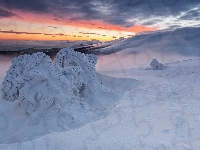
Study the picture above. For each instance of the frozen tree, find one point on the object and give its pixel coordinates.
(155, 65)
(68, 87)
(38, 85)
(89, 81)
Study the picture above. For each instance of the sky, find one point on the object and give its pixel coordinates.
(102, 20)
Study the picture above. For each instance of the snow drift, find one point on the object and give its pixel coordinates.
(65, 95)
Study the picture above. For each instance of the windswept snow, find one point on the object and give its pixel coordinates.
(139, 50)
(183, 41)
(162, 111)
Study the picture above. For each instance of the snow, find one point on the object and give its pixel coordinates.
(157, 109)
(138, 51)
(65, 94)
(155, 65)
(159, 112)
(182, 41)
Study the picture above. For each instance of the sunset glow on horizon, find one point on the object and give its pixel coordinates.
(91, 19)
(32, 26)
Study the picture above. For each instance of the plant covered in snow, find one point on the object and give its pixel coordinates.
(79, 66)
(155, 65)
(37, 84)
(87, 79)
(46, 89)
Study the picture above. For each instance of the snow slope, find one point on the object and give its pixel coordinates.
(139, 50)
(162, 111)
(182, 41)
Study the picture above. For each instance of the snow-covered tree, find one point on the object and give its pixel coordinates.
(68, 87)
(38, 85)
(89, 86)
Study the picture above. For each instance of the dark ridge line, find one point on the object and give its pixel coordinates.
(83, 49)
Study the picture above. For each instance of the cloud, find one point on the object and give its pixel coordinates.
(5, 14)
(51, 27)
(157, 13)
(127, 13)
(15, 32)
(151, 12)
(184, 41)
(193, 13)
(26, 5)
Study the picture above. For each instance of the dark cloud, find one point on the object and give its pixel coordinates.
(121, 12)
(26, 5)
(124, 13)
(15, 32)
(5, 13)
(145, 9)
(77, 10)
(34, 33)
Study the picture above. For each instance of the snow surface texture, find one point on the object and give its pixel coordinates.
(56, 96)
(161, 113)
(155, 65)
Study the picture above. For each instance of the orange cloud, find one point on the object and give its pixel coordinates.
(50, 22)
(106, 26)
(91, 24)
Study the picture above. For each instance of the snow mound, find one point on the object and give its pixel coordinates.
(155, 65)
(66, 94)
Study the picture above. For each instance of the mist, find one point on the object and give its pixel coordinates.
(119, 61)
(5, 62)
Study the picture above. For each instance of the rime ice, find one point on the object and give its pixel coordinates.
(155, 65)
(67, 92)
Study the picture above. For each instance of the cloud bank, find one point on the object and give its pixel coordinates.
(165, 14)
